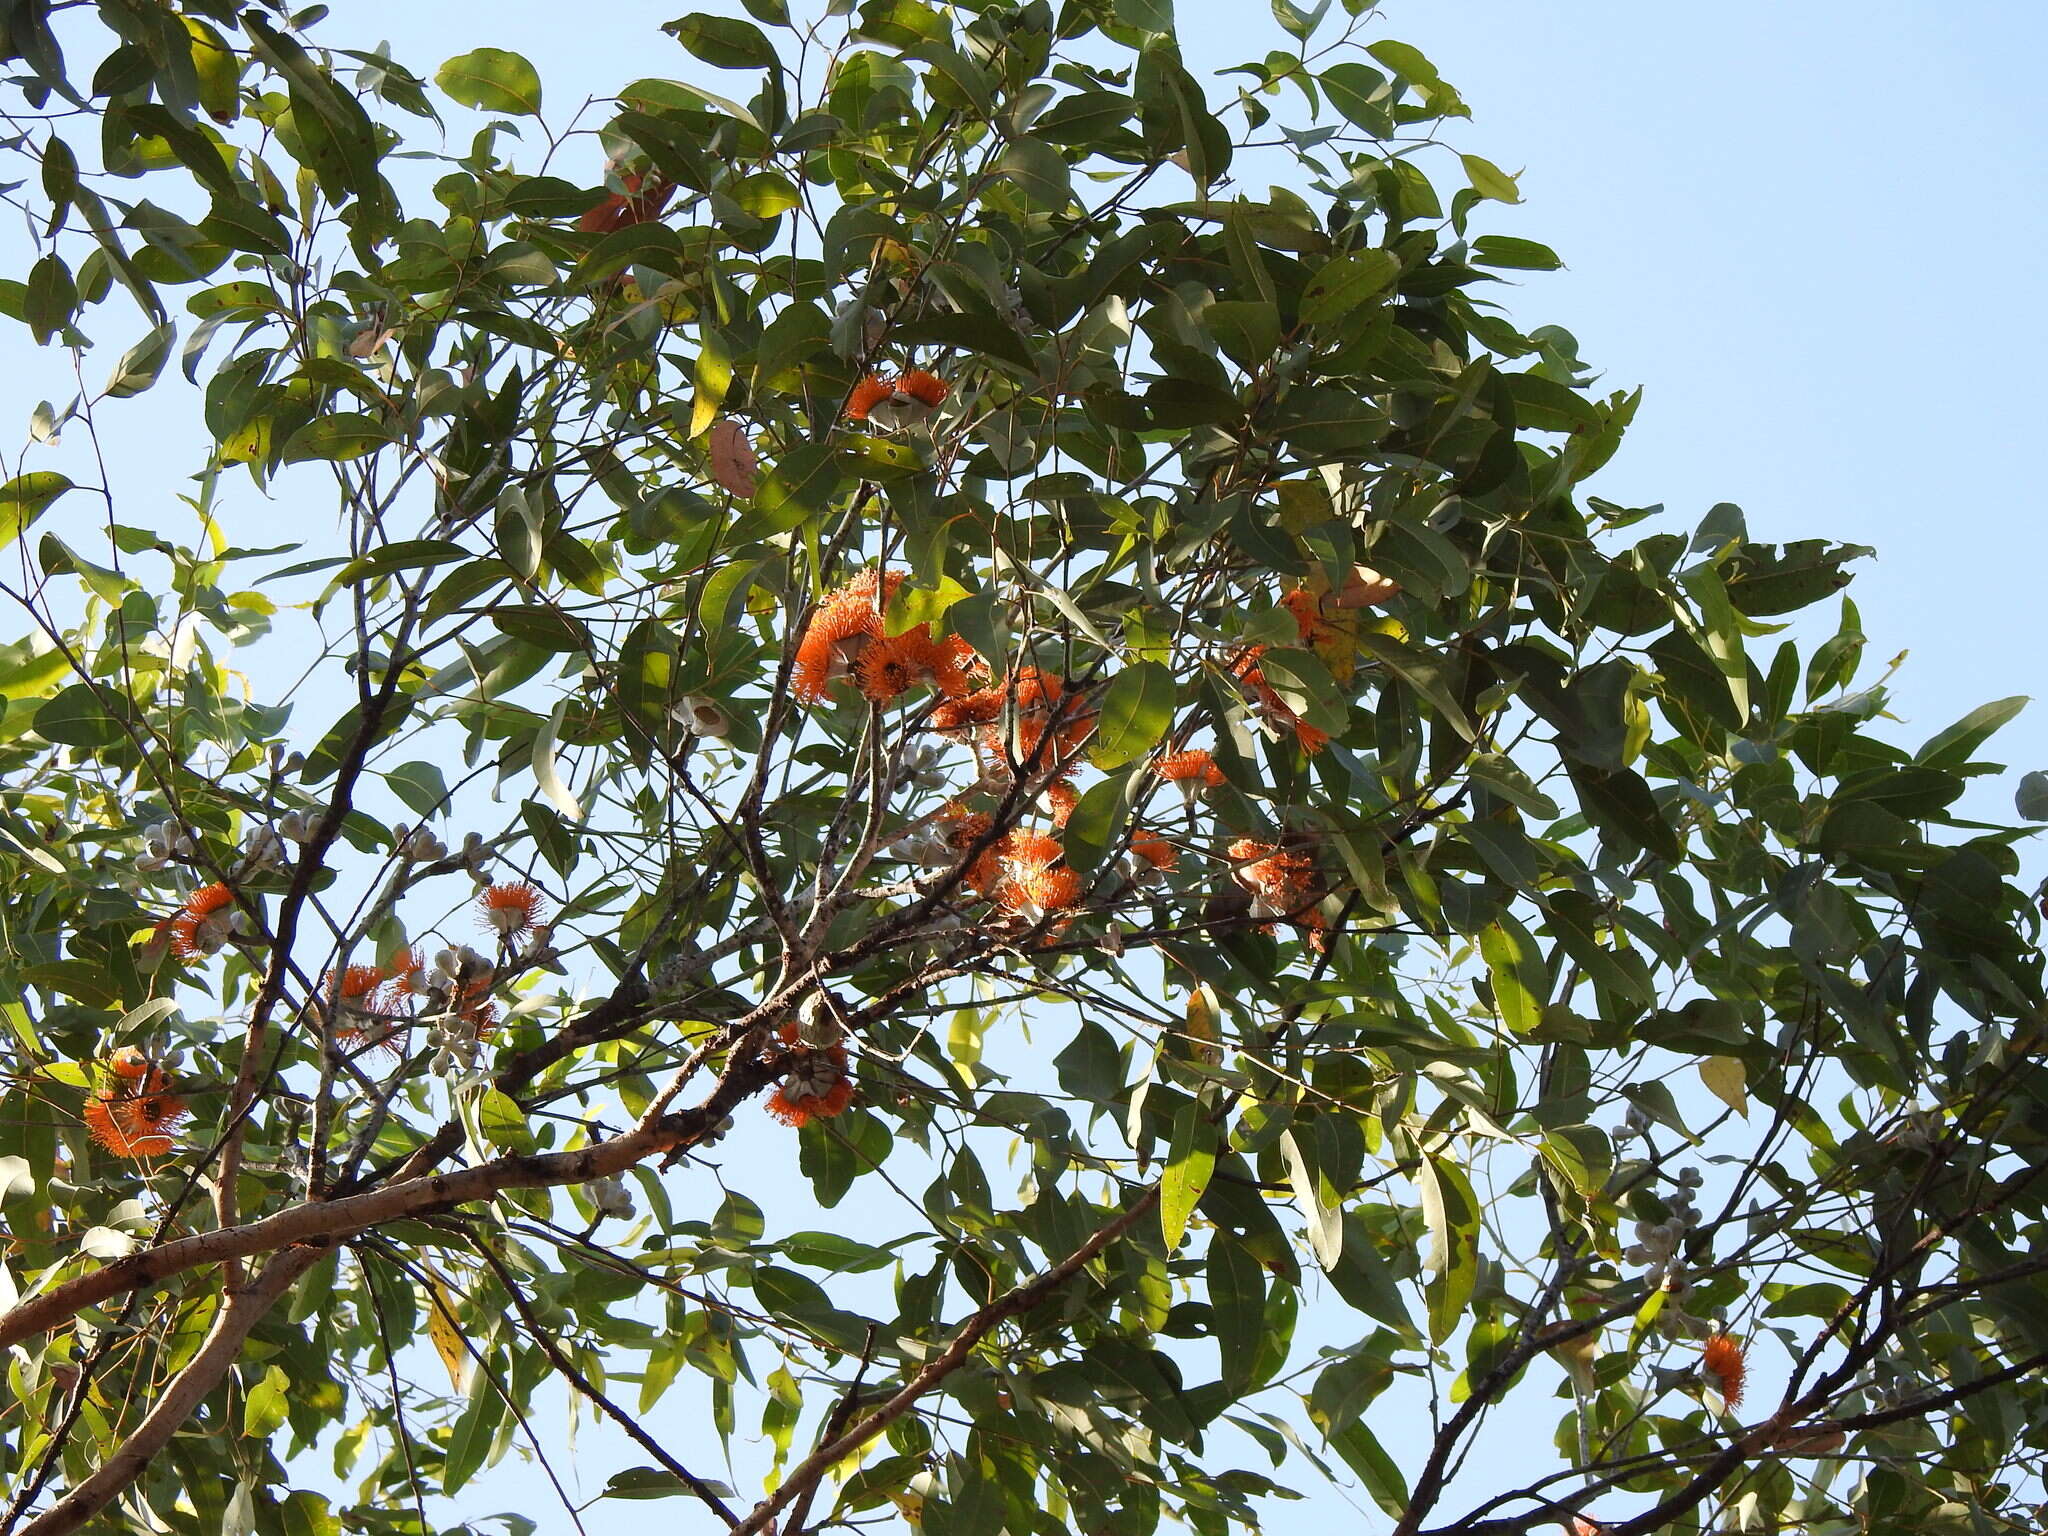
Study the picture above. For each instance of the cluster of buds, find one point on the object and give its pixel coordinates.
(417, 845)
(457, 1001)
(301, 826)
(263, 850)
(1633, 1124)
(1657, 1247)
(476, 857)
(161, 844)
(922, 770)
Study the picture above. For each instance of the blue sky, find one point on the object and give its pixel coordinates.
(1809, 232)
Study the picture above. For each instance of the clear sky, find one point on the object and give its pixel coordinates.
(1811, 232)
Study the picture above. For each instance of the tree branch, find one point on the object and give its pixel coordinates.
(1020, 1299)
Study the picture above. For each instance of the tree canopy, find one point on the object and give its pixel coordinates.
(847, 760)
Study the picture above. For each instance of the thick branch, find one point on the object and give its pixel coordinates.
(317, 1221)
(180, 1400)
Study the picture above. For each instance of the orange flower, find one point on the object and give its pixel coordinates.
(1031, 877)
(136, 1125)
(199, 927)
(406, 976)
(1060, 799)
(1722, 1360)
(355, 985)
(1283, 885)
(840, 629)
(510, 908)
(1309, 622)
(1193, 771)
(921, 386)
(129, 1064)
(957, 718)
(891, 665)
(867, 394)
(359, 1013)
(818, 1084)
(1035, 691)
(963, 828)
(1154, 849)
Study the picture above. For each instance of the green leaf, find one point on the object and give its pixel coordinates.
(25, 498)
(1042, 173)
(1237, 1300)
(1325, 1221)
(142, 363)
(264, 1412)
(342, 436)
(1422, 672)
(1136, 712)
(1146, 15)
(1452, 1217)
(492, 80)
(1363, 95)
(420, 786)
(1363, 1454)
(2031, 798)
(410, 555)
(797, 486)
(723, 42)
(913, 606)
(1727, 1080)
(548, 628)
(1514, 964)
(1958, 743)
(1507, 251)
(1189, 1163)
(1489, 180)
(50, 299)
(1346, 282)
(503, 1122)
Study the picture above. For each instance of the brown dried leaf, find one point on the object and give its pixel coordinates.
(733, 464)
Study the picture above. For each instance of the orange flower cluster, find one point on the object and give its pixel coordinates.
(844, 638)
(1041, 704)
(1284, 883)
(892, 402)
(1025, 875)
(134, 1113)
(199, 927)
(1722, 1360)
(817, 1086)
(1245, 668)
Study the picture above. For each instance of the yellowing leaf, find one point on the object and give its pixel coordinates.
(441, 1328)
(1727, 1081)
